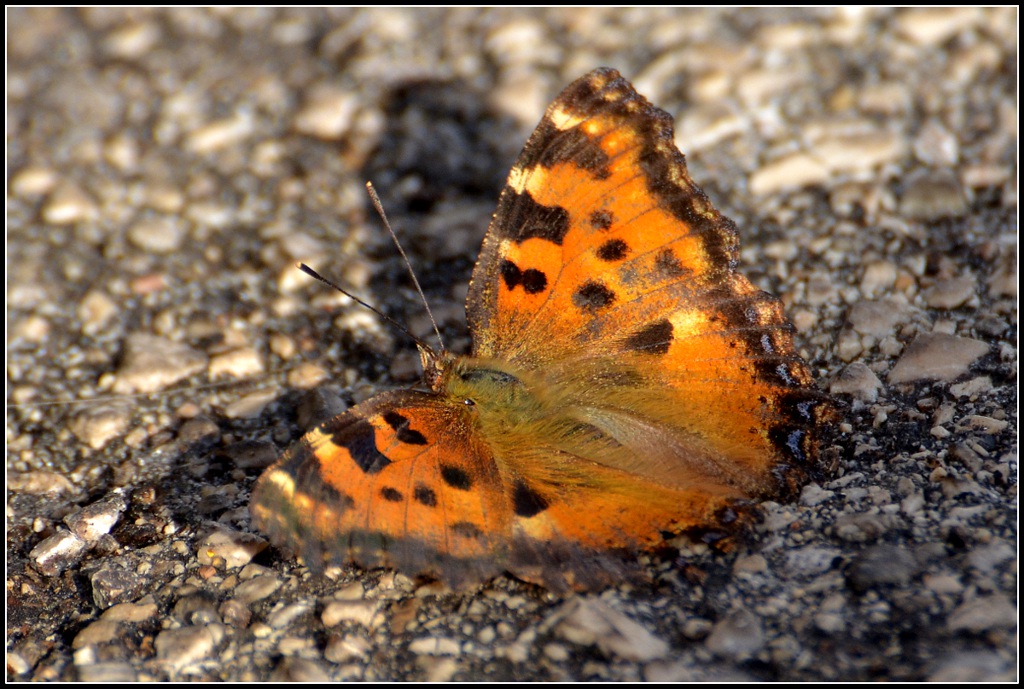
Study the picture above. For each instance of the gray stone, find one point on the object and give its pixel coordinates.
(97, 426)
(98, 632)
(131, 612)
(229, 548)
(282, 617)
(153, 363)
(858, 381)
(342, 649)
(989, 557)
(810, 560)
(97, 519)
(241, 363)
(881, 565)
(250, 406)
(252, 454)
(295, 669)
(113, 584)
(156, 235)
(39, 482)
(973, 667)
(235, 613)
(878, 318)
(930, 195)
(256, 589)
(950, 293)
(983, 614)
(180, 648)
(58, 552)
(197, 609)
(937, 356)
(863, 527)
(738, 636)
(363, 612)
(435, 646)
(107, 673)
(68, 204)
(589, 621)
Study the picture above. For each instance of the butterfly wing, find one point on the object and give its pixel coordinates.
(578, 524)
(407, 481)
(608, 270)
(399, 481)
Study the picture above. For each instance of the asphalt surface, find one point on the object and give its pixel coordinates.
(167, 168)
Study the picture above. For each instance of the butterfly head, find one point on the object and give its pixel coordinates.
(435, 365)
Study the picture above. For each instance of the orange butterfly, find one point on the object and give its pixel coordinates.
(625, 381)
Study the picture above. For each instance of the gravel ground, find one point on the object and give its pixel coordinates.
(167, 168)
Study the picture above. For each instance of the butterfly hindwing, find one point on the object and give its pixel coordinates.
(398, 481)
(406, 480)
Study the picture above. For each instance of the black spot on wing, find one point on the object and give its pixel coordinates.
(791, 441)
(510, 274)
(391, 494)
(668, 266)
(359, 438)
(338, 501)
(592, 296)
(613, 250)
(654, 338)
(788, 373)
(527, 502)
(456, 477)
(569, 146)
(669, 182)
(532, 280)
(802, 408)
(519, 218)
(797, 445)
(425, 496)
(601, 220)
(758, 323)
(663, 165)
(400, 425)
(310, 480)
(467, 530)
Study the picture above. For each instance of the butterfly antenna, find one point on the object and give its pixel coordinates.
(312, 273)
(408, 265)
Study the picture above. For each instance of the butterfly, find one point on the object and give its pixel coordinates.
(625, 383)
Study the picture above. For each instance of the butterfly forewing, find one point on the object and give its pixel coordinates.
(599, 224)
(604, 256)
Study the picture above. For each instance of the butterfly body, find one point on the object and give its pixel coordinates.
(625, 381)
